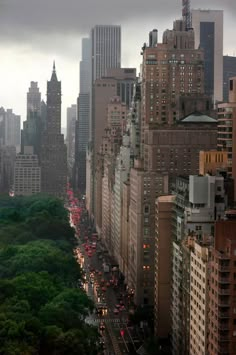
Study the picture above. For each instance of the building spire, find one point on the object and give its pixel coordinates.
(54, 74)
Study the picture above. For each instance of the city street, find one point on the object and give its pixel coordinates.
(103, 286)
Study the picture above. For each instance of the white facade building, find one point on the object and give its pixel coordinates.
(206, 204)
(198, 299)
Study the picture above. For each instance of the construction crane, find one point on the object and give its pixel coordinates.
(186, 13)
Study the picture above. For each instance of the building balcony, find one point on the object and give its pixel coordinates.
(225, 314)
(224, 280)
(224, 268)
(223, 326)
(223, 338)
(222, 291)
(222, 256)
(223, 303)
(223, 349)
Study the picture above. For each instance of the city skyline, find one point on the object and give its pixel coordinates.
(29, 48)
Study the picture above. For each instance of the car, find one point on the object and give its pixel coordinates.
(116, 311)
(99, 311)
(102, 326)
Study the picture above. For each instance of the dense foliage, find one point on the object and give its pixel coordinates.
(41, 309)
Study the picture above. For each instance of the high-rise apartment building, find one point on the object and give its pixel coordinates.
(208, 30)
(173, 77)
(27, 173)
(229, 71)
(7, 161)
(227, 128)
(163, 275)
(175, 125)
(111, 141)
(222, 291)
(53, 149)
(119, 82)
(145, 187)
(199, 259)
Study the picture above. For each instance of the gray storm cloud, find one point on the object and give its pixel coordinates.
(21, 20)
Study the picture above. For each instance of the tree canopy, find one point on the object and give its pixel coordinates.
(41, 309)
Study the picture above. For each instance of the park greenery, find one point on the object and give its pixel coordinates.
(42, 311)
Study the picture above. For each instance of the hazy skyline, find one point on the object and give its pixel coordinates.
(34, 33)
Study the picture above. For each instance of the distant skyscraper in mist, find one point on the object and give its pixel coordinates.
(53, 149)
(33, 99)
(12, 129)
(83, 114)
(32, 127)
(70, 135)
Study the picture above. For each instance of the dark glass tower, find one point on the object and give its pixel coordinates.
(53, 149)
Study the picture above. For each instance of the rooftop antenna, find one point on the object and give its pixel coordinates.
(186, 13)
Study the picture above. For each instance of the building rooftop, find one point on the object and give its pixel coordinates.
(166, 198)
(198, 117)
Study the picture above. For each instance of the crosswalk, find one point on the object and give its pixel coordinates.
(107, 320)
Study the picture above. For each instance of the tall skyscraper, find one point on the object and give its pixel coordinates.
(33, 99)
(105, 54)
(229, 71)
(70, 135)
(83, 117)
(12, 129)
(53, 149)
(106, 49)
(85, 66)
(208, 29)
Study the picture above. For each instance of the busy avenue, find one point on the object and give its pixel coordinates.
(104, 285)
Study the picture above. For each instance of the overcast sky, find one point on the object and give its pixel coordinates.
(35, 32)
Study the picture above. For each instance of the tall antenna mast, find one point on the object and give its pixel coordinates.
(186, 13)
